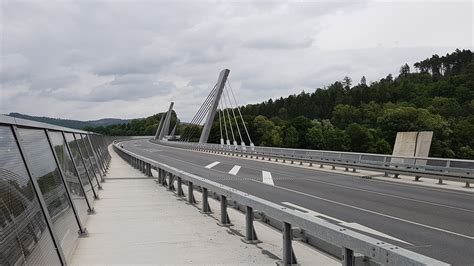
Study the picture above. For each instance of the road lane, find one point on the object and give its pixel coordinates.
(414, 204)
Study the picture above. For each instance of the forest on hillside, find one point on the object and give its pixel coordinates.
(136, 127)
(435, 94)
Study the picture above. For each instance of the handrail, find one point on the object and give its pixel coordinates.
(349, 241)
(438, 168)
(9, 120)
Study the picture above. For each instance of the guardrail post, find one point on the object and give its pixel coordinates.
(170, 182)
(348, 257)
(180, 187)
(289, 257)
(190, 193)
(205, 202)
(250, 234)
(163, 178)
(148, 169)
(159, 175)
(225, 220)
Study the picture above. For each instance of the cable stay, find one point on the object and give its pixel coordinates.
(235, 118)
(230, 123)
(241, 117)
(225, 125)
(220, 128)
(199, 116)
(220, 100)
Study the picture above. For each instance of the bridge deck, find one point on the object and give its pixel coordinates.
(138, 222)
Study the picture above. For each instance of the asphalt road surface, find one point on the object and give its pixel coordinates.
(436, 222)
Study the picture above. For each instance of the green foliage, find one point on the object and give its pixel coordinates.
(438, 97)
(136, 127)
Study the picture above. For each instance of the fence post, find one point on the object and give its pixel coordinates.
(289, 257)
(205, 201)
(163, 177)
(225, 220)
(250, 234)
(190, 193)
(347, 257)
(180, 187)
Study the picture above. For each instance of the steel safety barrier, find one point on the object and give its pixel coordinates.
(426, 167)
(350, 242)
(49, 179)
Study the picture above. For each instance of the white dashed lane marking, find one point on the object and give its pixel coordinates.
(234, 170)
(267, 178)
(212, 165)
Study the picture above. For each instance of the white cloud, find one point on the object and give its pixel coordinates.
(93, 59)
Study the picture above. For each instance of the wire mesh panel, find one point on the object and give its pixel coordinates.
(92, 158)
(70, 175)
(24, 236)
(80, 165)
(82, 149)
(97, 148)
(46, 172)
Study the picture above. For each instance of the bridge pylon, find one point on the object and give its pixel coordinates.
(158, 130)
(212, 111)
(165, 130)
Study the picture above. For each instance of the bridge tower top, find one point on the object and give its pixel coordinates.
(212, 112)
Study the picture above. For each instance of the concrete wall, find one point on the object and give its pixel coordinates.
(413, 144)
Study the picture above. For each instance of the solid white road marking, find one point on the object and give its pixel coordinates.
(234, 170)
(267, 178)
(212, 165)
(343, 223)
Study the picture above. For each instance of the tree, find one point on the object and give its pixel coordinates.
(315, 137)
(444, 106)
(363, 81)
(404, 70)
(347, 82)
(345, 114)
(291, 137)
(360, 138)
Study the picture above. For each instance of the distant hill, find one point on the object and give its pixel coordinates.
(77, 124)
(136, 127)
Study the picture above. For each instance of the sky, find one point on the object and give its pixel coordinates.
(129, 59)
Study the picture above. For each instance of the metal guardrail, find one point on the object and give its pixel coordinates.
(349, 241)
(436, 168)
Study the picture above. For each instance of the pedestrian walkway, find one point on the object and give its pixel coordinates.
(139, 222)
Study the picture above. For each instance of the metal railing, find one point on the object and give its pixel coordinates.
(436, 168)
(349, 241)
(39, 193)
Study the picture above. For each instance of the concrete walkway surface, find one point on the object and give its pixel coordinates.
(140, 222)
